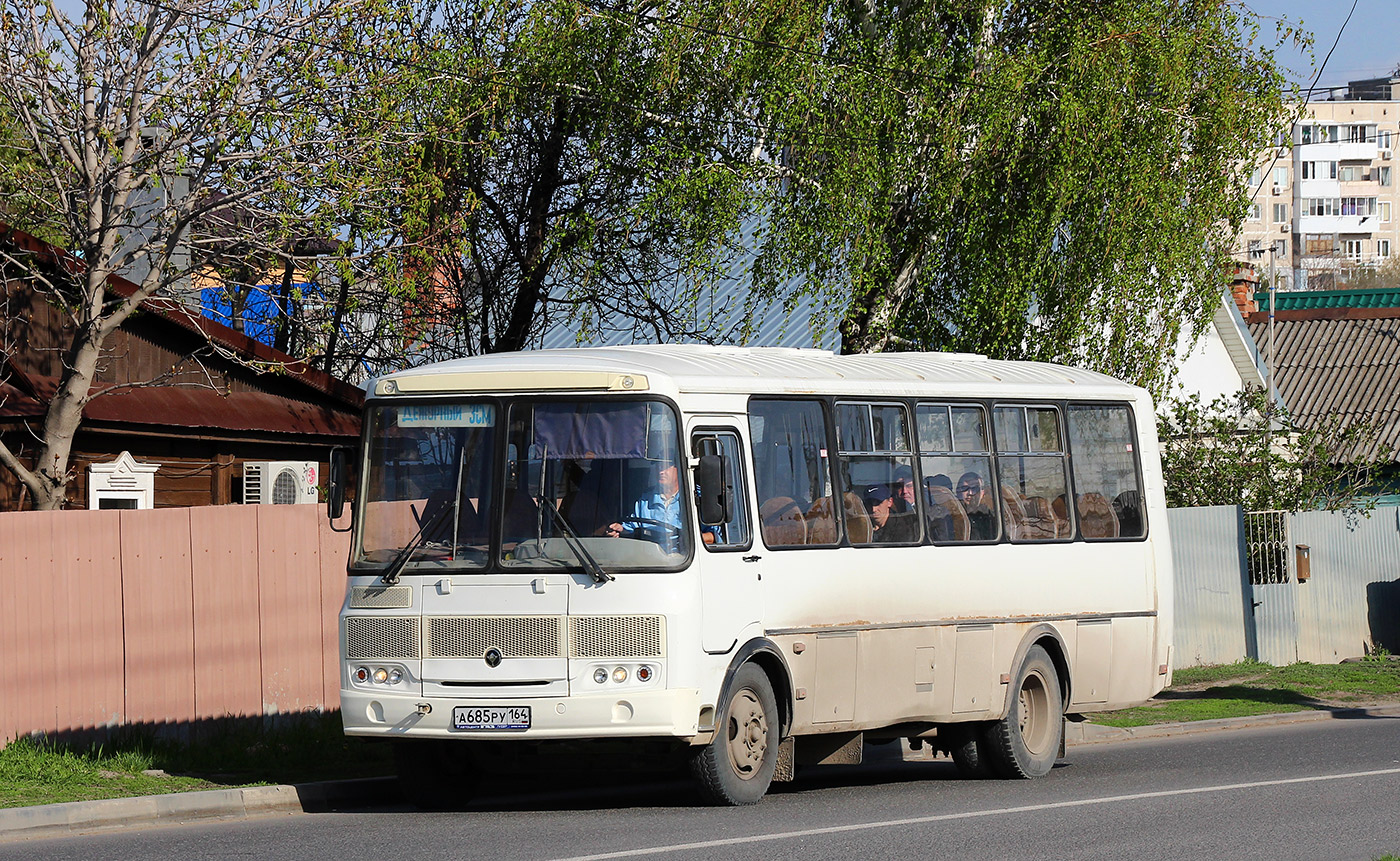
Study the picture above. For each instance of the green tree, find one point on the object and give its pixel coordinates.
(1052, 180)
(1241, 451)
(575, 164)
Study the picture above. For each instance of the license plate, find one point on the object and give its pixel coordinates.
(491, 717)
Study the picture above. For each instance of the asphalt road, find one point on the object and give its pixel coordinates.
(1319, 790)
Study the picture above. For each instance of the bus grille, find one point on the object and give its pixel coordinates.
(616, 637)
(381, 637)
(381, 597)
(514, 636)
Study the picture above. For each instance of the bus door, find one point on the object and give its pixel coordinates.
(729, 570)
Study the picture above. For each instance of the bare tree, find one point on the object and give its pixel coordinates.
(150, 119)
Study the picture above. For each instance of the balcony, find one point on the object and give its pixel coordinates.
(1356, 224)
(1336, 151)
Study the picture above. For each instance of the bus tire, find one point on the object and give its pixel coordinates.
(1026, 742)
(435, 774)
(736, 767)
(967, 749)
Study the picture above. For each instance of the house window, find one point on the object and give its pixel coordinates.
(1352, 248)
(1350, 173)
(1254, 177)
(1255, 212)
(1319, 170)
(1384, 208)
(1280, 213)
(1281, 176)
(1383, 139)
(1382, 247)
(1384, 175)
(1355, 134)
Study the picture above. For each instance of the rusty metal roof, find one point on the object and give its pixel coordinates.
(1345, 366)
(195, 408)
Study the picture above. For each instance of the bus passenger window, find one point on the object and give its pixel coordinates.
(877, 474)
(792, 474)
(1031, 472)
(734, 532)
(957, 467)
(1109, 495)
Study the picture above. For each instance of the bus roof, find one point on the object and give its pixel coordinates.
(697, 368)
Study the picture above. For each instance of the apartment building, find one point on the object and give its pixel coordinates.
(1327, 200)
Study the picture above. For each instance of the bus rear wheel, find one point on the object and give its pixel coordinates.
(1026, 742)
(736, 767)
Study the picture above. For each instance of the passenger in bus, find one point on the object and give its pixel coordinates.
(972, 493)
(884, 526)
(903, 526)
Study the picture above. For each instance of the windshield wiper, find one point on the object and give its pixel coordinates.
(391, 573)
(590, 565)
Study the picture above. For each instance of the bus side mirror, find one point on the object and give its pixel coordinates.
(335, 485)
(715, 496)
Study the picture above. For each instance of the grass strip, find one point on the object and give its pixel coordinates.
(211, 755)
(1254, 688)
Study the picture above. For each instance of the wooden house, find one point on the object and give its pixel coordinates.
(187, 395)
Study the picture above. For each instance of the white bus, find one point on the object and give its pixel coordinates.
(761, 557)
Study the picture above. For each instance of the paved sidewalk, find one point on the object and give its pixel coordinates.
(59, 820)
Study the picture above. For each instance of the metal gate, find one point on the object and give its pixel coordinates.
(1273, 584)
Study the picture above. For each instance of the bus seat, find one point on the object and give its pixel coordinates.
(857, 521)
(1128, 507)
(821, 522)
(947, 521)
(1040, 520)
(782, 521)
(1063, 529)
(1012, 514)
(1096, 517)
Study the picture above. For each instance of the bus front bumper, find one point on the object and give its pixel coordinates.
(671, 713)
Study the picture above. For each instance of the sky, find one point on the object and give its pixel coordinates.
(1369, 45)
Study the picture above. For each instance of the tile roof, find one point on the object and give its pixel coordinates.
(1338, 365)
(1303, 300)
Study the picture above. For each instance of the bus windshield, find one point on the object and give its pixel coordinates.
(583, 484)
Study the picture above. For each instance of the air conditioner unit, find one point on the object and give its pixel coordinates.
(1284, 227)
(1278, 189)
(279, 482)
(1385, 155)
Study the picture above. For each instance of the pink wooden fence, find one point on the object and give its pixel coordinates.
(170, 616)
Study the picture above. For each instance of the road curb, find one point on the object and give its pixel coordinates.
(75, 817)
(1091, 733)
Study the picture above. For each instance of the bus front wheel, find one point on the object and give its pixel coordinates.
(736, 767)
(1026, 742)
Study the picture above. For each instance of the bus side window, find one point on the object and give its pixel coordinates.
(1031, 472)
(1108, 494)
(878, 484)
(956, 460)
(735, 532)
(791, 470)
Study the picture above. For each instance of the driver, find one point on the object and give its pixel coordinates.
(662, 504)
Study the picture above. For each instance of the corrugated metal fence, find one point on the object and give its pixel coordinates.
(1348, 606)
(167, 617)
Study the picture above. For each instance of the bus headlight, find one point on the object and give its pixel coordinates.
(600, 675)
(620, 675)
(395, 675)
(644, 673)
(361, 674)
(381, 675)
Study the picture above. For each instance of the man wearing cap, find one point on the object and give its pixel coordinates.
(879, 502)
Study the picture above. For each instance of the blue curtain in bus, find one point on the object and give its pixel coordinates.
(598, 430)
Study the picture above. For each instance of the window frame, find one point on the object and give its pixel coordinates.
(1063, 454)
(1137, 470)
(911, 438)
(744, 491)
(829, 430)
(993, 482)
